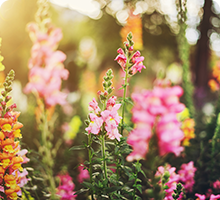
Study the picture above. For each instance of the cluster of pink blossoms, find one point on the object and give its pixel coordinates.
(66, 187)
(187, 173)
(46, 65)
(187, 170)
(173, 180)
(108, 117)
(136, 60)
(156, 109)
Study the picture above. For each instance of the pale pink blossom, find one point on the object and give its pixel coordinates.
(93, 106)
(137, 62)
(46, 65)
(95, 124)
(111, 102)
(121, 58)
(23, 153)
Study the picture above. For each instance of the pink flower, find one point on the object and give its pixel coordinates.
(46, 65)
(121, 58)
(187, 173)
(93, 106)
(173, 179)
(112, 119)
(138, 62)
(169, 135)
(200, 196)
(23, 153)
(139, 140)
(213, 197)
(83, 174)
(66, 187)
(95, 124)
(216, 184)
(111, 102)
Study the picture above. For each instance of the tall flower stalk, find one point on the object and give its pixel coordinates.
(104, 124)
(45, 79)
(184, 57)
(131, 62)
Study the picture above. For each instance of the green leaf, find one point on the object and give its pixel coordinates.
(110, 143)
(139, 187)
(112, 189)
(141, 171)
(87, 184)
(80, 147)
(131, 177)
(81, 191)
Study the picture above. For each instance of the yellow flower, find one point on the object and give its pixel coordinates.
(188, 130)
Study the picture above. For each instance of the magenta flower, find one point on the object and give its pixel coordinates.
(187, 173)
(66, 187)
(169, 135)
(139, 140)
(157, 108)
(83, 174)
(216, 184)
(213, 197)
(173, 180)
(95, 124)
(200, 196)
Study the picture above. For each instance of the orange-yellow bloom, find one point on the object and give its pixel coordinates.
(17, 163)
(134, 25)
(188, 129)
(214, 86)
(12, 193)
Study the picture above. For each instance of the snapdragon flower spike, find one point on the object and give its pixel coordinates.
(107, 86)
(46, 65)
(127, 61)
(10, 155)
(156, 112)
(108, 118)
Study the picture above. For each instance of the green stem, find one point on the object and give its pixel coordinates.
(124, 97)
(90, 162)
(135, 183)
(47, 156)
(103, 155)
(216, 133)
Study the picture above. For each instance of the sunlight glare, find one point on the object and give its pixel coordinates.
(87, 7)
